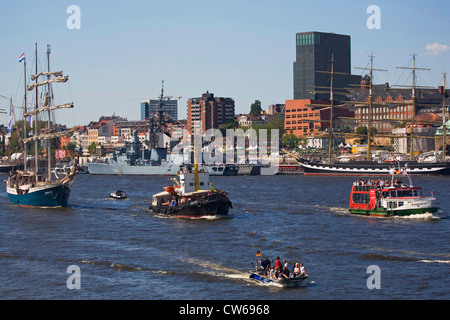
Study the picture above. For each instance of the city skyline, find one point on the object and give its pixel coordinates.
(241, 49)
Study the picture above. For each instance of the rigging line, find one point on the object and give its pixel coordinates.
(404, 70)
(17, 90)
(71, 99)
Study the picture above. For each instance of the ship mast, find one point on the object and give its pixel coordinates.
(444, 126)
(329, 90)
(48, 104)
(413, 98)
(161, 106)
(369, 124)
(196, 162)
(24, 118)
(36, 107)
(330, 132)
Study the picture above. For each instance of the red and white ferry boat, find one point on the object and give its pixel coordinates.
(390, 197)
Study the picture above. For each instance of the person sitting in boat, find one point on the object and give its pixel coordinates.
(285, 273)
(272, 273)
(296, 271)
(302, 270)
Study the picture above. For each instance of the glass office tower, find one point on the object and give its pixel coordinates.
(314, 51)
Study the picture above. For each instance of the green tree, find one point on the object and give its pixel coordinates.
(362, 132)
(255, 108)
(71, 147)
(290, 140)
(92, 149)
(232, 124)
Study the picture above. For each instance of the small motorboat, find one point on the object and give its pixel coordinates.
(291, 282)
(119, 194)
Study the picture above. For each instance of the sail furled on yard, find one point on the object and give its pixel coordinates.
(55, 74)
(66, 105)
(49, 135)
(59, 79)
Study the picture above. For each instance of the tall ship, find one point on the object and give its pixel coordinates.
(135, 158)
(368, 166)
(37, 186)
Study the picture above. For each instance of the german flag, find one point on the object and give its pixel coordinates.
(258, 253)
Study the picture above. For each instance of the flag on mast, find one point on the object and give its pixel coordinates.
(22, 57)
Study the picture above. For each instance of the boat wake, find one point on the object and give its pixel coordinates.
(435, 261)
(407, 256)
(122, 267)
(421, 216)
(165, 216)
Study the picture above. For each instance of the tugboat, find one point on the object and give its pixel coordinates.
(386, 198)
(192, 196)
(186, 199)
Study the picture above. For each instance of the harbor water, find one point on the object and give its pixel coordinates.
(122, 251)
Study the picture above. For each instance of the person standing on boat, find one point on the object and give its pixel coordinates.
(278, 264)
(285, 264)
(265, 265)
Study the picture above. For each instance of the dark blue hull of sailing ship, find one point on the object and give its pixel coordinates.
(54, 196)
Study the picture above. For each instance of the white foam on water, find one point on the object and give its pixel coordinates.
(435, 261)
(421, 216)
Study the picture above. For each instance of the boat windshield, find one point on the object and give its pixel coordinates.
(404, 193)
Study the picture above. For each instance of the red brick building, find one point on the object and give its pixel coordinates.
(303, 118)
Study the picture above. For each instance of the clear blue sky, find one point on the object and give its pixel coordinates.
(241, 49)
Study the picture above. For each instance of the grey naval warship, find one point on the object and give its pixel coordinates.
(134, 160)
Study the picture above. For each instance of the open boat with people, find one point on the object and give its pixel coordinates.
(279, 274)
(385, 198)
(292, 282)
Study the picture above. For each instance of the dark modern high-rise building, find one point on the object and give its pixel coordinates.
(314, 52)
